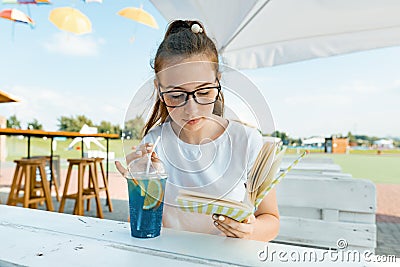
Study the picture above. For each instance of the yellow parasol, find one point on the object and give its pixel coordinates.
(5, 98)
(138, 15)
(70, 20)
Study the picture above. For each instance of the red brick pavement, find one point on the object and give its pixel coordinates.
(388, 199)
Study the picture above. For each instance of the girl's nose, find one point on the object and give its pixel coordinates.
(191, 106)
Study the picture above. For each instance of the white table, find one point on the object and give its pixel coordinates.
(39, 238)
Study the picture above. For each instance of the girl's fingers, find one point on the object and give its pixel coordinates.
(132, 156)
(149, 147)
(120, 168)
(236, 228)
(251, 219)
(228, 224)
(224, 229)
(154, 156)
(145, 148)
(140, 151)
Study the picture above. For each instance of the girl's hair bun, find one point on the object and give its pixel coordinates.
(177, 26)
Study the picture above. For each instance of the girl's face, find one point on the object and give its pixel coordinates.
(179, 84)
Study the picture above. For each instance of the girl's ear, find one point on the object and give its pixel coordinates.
(219, 76)
(156, 88)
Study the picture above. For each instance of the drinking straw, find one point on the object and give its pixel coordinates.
(149, 155)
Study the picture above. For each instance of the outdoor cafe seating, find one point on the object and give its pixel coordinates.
(35, 188)
(51, 174)
(99, 162)
(82, 193)
(33, 191)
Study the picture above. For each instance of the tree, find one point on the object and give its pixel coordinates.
(35, 125)
(107, 127)
(352, 138)
(67, 124)
(82, 120)
(13, 122)
(282, 135)
(134, 128)
(71, 124)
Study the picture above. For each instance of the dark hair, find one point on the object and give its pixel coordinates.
(181, 42)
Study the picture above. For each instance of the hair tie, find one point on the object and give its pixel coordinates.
(196, 28)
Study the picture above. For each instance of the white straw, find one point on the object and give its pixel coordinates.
(149, 155)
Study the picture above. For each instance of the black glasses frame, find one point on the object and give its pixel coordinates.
(190, 94)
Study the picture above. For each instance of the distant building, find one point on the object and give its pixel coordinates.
(313, 141)
(384, 144)
(336, 145)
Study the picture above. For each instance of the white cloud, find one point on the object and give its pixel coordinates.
(70, 44)
(396, 85)
(48, 104)
(359, 107)
(360, 87)
(317, 100)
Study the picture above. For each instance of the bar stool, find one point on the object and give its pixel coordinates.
(54, 180)
(82, 193)
(53, 175)
(99, 161)
(25, 172)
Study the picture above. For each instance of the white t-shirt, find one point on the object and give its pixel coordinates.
(219, 168)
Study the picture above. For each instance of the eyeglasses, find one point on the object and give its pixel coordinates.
(202, 96)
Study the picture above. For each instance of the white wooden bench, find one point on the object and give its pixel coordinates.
(318, 211)
(322, 175)
(311, 165)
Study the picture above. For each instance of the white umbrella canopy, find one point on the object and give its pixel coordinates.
(260, 33)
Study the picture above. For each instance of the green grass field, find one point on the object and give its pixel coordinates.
(384, 168)
(377, 168)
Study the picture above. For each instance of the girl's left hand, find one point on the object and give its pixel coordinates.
(232, 228)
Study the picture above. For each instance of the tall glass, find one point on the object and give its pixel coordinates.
(146, 188)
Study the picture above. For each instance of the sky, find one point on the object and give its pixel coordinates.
(56, 74)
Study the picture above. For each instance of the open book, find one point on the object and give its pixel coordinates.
(262, 178)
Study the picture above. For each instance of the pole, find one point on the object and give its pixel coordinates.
(107, 159)
(51, 162)
(29, 147)
(82, 148)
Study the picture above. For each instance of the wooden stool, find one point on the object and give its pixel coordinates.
(25, 172)
(99, 161)
(82, 193)
(53, 177)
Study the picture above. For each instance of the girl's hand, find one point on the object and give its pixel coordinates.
(139, 151)
(232, 228)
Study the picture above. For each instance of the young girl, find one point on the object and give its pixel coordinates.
(201, 149)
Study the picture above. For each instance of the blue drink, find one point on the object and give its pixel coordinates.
(146, 196)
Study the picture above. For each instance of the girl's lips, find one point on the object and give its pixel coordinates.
(192, 122)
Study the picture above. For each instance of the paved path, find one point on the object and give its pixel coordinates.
(388, 238)
(388, 219)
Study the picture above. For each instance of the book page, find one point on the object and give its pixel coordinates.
(261, 192)
(260, 170)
